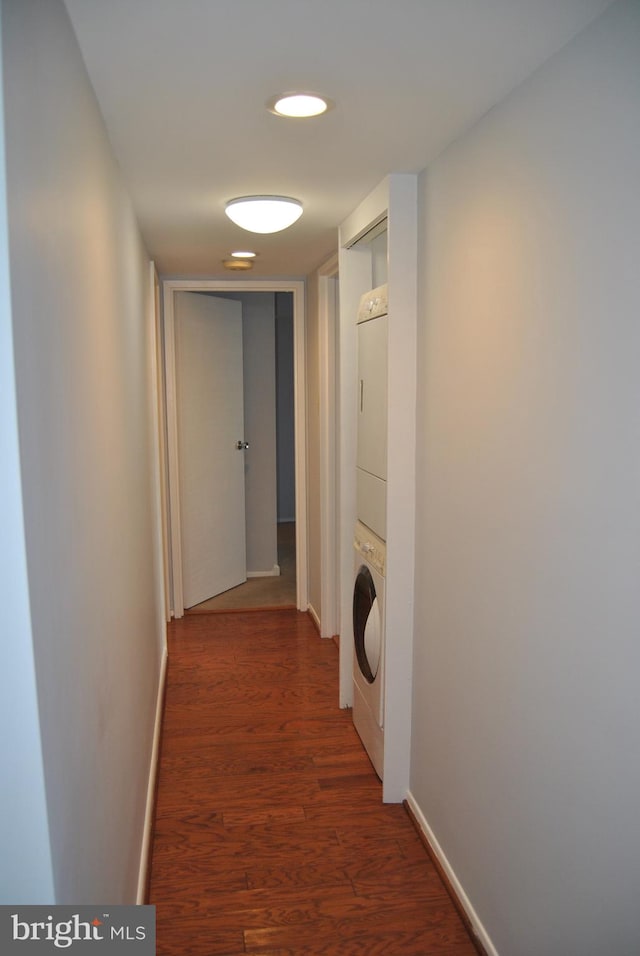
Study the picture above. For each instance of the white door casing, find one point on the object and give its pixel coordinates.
(171, 287)
(210, 413)
(328, 300)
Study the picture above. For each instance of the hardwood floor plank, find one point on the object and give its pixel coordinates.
(252, 817)
(270, 834)
(317, 874)
(282, 846)
(194, 936)
(355, 920)
(234, 907)
(404, 942)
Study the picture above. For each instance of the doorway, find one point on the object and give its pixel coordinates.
(291, 292)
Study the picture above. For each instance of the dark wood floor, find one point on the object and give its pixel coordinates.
(270, 835)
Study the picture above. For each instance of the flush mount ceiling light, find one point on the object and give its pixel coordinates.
(264, 213)
(299, 105)
(239, 254)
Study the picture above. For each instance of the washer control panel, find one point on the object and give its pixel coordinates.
(372, 548)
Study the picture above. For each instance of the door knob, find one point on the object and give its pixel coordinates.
(242, 445)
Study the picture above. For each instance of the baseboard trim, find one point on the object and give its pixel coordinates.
(145, 853)
(273, 573)
(311, 611)
(479, 936)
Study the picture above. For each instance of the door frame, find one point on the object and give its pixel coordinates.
(328, 300)
(159, 419)
(297, 288)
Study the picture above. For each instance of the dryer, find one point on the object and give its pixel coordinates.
(369, 642)
(371, 457)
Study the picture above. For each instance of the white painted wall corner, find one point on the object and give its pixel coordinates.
(465, 902)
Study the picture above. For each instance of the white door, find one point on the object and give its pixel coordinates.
(210, 413)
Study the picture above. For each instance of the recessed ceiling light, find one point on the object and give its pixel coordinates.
(264, 213)
(237, 265)
(239, 254)
(299, 105)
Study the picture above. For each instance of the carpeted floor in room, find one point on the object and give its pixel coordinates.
(278, 591)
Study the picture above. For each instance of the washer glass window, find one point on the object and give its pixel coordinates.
(366, 624)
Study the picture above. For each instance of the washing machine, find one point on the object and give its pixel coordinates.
(369, 642)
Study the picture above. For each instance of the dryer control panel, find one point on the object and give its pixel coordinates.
(372, 548)
(373, 304)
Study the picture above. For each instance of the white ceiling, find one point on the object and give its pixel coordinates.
(182, 85)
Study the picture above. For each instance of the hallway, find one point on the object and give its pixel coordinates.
(270, 836)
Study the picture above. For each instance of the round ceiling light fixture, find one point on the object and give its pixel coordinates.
(263, 214)
(240, 254)
(299, 105)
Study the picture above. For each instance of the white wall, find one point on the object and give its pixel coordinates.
(285, 408)
(26, 874)
(80, 286)
(258, 323)
(526, 721)
(379, 259)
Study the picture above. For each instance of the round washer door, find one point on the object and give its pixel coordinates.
(366, 624)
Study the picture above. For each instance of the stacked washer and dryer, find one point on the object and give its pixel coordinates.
(371, 526)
